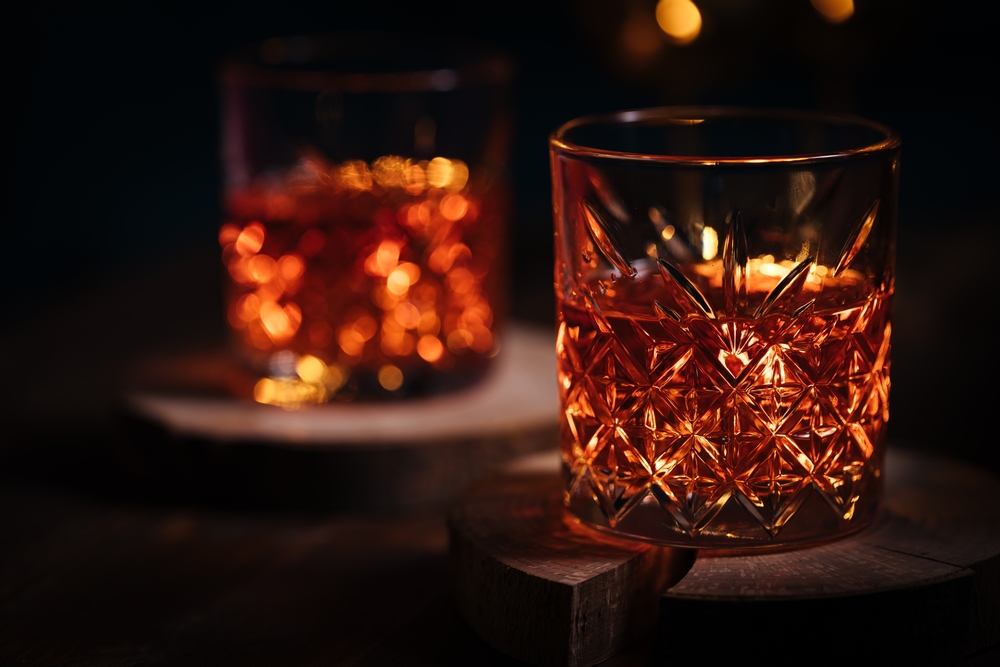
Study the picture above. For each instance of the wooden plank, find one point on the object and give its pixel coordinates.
(949, 512)
(919, 583)
(936, 546)
(539, 589)
(85, 583)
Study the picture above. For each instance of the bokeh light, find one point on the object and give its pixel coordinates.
(355, 268)
(390, 377)
(709, 243)
(680, 20)
(834, 11)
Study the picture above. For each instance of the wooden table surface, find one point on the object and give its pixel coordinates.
(85, 581)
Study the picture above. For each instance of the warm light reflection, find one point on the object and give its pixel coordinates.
(709, 243)
(310, 369)
(390, 377)
(834, 11)
(439, 172)
(355, 268)
(288, 393)
(679, 19)
(454, 207)
(430, 348)
(250, 239)
(765, 272)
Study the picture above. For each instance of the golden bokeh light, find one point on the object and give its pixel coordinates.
(397, 343)
(414, 179)
(459, 340)
(407, 315)
(250, 240)
(261, 268)
(351, 341)
(765, 272)
(390, 377)
(228, 233)
(709, 243)
(291, 267)
(680, 20)
(439, 172)
(444, 256)
(461, 280)
(410, 270)
(248, 307)
(310, 369)
(398, 283)
(288, 393)
(384, 259)
(390, 171)
(834, 11)
(366, 326)
(335, 378)
(258, 337)
(280, 323)
(453, 207)
(429, 323)
(423, 239)
(459, 176)
(263, 391)
(430, 348)
(354, 175)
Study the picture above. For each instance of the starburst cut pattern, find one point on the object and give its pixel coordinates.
(699, 424)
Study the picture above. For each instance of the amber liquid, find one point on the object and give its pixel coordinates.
(724, 431)
(346, 286)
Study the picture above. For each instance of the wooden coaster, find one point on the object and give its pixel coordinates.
(538, 589)
(349, 455)
(923, 582)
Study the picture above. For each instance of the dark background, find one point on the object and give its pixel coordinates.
(109, 197)
(111, 174)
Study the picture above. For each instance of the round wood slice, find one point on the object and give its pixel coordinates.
(923, 582)
(415, 452)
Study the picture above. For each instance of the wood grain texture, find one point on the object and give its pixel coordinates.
(400, 454)
(949, 512)
(85, 583)
(920, 583)
(115, 582)
(542, 590)
(922, 580)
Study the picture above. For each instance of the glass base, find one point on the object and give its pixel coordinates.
(732, 530)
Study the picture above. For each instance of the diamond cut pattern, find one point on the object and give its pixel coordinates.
(708, 412)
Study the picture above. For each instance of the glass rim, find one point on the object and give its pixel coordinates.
(244, 65)
(693, 115)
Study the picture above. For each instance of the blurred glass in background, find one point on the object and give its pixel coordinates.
(366, 206)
